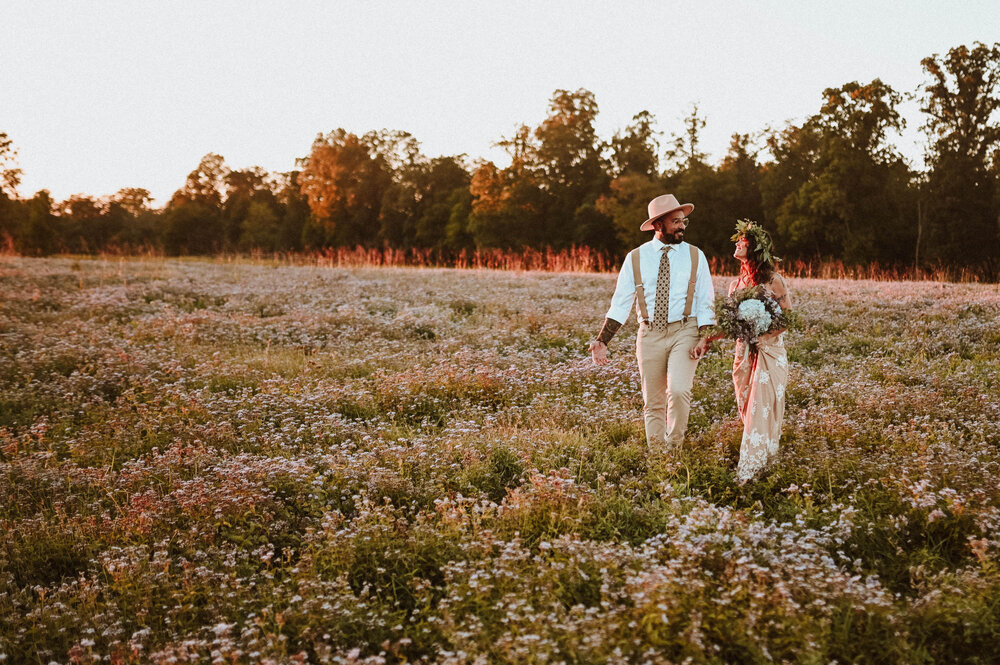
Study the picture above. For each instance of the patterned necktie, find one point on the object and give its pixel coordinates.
(661, 308)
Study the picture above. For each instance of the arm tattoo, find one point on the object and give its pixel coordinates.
(608, 331)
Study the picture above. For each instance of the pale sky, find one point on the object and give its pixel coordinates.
(97, 96)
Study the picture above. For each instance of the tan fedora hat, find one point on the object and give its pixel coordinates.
(663, 205)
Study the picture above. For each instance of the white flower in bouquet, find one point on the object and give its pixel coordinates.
(753, 311)
(747, 313)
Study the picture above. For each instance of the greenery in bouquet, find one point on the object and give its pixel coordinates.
(748, 313)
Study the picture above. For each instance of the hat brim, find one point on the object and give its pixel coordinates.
(648, 224)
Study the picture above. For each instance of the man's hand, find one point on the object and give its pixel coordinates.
(599, 352)
(701, 348)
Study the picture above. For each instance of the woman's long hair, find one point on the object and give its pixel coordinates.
(761, 272)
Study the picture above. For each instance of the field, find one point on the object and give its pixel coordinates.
(241, 462)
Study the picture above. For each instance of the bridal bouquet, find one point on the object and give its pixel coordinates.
(748, 313)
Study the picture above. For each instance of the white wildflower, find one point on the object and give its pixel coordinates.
(753, 311)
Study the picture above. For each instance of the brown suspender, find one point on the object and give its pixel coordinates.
(640, 294)
(691, 282)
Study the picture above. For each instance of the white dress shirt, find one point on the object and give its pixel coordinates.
(703, 307)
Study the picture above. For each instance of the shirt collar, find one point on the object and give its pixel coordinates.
(659, 244)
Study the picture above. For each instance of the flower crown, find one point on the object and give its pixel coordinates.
(764, 248)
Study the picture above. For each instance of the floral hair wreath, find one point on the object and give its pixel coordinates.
(764, 248)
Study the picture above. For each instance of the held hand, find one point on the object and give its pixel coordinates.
(599, 352)
(772, 334)
(701, 348)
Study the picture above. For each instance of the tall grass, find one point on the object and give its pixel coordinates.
(570, 260)
(574, 259)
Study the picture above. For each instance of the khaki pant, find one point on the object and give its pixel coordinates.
(667, 372)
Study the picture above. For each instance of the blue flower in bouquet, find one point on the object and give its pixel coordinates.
(754, 311)
(748, 313)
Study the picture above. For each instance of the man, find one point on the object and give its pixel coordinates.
(672, 288)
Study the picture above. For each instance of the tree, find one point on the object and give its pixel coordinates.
(593, 228)
(684, 150)
(39, 234)
(740, 174)
(12, 221)
(129, 211)
(193, 216)
(636, 150)
(691, 178)
(83, 225)
(192, 227)
(722, 195)
(795, 150)
(344, 179)
(295, 210)
(206, 183)
(245, 187)
(399, 150)
(635, 165)
(568, 163)
(961, 99)
(626, 205)
(506, 206)
(842, 180)
(402, 197)
(133, 200)
(12, 213)
(442, 184)
(568, 151)
(457, 235)
(398, 212)
(10, 174)
(261, 229)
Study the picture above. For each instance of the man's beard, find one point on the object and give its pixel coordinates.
(672, 238)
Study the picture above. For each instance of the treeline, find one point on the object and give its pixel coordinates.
(834, 187)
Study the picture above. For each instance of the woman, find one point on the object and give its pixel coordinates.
(759, 377)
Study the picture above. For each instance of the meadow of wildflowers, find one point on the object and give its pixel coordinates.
(242, 463)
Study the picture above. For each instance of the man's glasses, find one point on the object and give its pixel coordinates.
(684, 221)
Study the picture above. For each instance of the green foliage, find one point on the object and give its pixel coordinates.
(636, 150)
(959, 622)
(499, 472)
(48, 556)
(10, 175)
(836, 173)
(763, 247)
(344, 179)
(594, 229)
(261, 229)
(626, 205)
(961, 100)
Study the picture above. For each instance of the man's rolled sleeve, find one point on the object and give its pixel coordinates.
(621, 301)
(704, 294)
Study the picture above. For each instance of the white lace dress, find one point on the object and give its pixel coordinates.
(759, 380)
